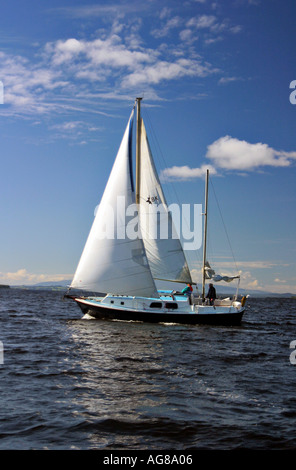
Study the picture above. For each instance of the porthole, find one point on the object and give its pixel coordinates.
(171, 305)
(156, 305)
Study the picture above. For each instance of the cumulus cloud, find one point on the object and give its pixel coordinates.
(107, 52)
(182, 173)
(229, 153)
(234, 154)
(22, 276)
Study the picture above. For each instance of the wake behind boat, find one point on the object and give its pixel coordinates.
(124, 256)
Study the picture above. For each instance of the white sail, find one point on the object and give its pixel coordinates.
(211, 274)
(163, 247)
(115, 264)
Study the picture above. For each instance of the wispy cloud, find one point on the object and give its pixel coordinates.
(75, 67)
(258, 264)
(112, 9)
(202, 21)
(26, 84)
(167, 27)
(225, 80)
(162, 70)
(116, 57)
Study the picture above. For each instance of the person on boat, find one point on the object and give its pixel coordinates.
(211, 294)
(187, 290)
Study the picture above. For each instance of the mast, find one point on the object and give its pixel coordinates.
(138, 150)
(205, 237)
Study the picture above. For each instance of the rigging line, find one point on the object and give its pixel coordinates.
(171, 186)
(223, 224)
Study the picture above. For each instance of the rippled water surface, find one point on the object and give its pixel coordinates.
(68, 383)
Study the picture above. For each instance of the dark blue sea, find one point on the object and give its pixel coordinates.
(68, 383)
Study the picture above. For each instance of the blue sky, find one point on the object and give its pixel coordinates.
(215, 77)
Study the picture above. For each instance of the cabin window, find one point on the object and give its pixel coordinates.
(111, 301)
(121, 303)
(156, 305)
(171, 305)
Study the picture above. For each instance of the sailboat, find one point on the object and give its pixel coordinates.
(123, 259)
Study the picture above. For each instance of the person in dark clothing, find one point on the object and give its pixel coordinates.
(211, 294)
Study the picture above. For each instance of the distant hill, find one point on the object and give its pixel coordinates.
(53, 284)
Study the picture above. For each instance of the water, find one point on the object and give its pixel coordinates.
(68, 383)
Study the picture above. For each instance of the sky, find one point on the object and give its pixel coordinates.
(216, 79)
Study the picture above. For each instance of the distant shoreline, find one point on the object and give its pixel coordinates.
(229, 292)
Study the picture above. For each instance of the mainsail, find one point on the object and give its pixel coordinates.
(163, 247)
(109, 263)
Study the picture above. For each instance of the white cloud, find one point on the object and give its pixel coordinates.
(229, 153)
(247, 264)
(119, 62)
(165, 13)
(165, 29)
(252, 285)
(188, 35)
(234, 154)
(23, 277)
(67, 69)
(202, 21)
(108, 10)
(73, 131)
(64, 51)
(211, 27)
(98, 59)
(69, 125)
(26, 84)
(224, 80)
(182, 173)
(110, 52)
(235, 29)
(164, 70)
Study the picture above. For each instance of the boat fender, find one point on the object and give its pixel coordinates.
(243, 301)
